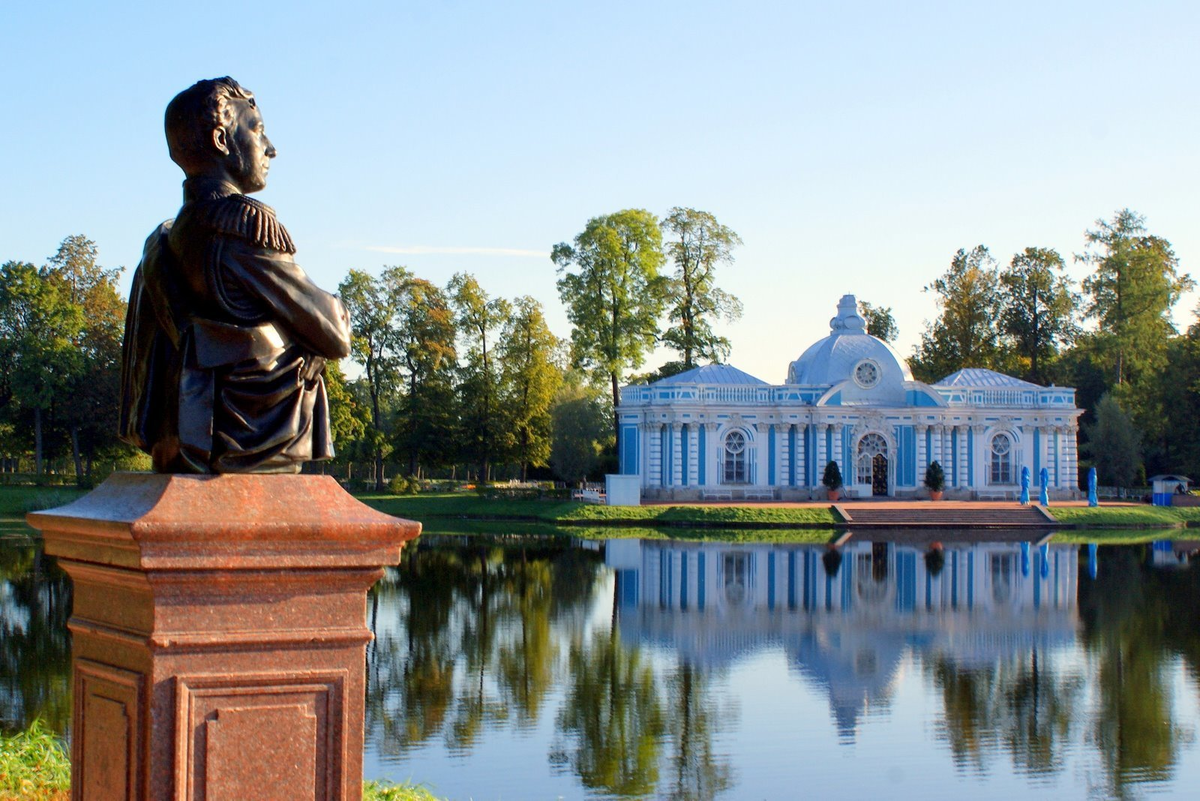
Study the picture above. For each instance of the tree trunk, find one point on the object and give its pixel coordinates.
(37, 440)
(75, 456)
(616, 392)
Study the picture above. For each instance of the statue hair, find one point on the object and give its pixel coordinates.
(194, 114)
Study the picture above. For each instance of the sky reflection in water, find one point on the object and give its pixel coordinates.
(539, 668)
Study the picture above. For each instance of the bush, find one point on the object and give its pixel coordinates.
(404, 485)
(935, 477)
(833, 477)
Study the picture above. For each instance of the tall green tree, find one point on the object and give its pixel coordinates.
(1134, 285)
(880, 322)
(479, 318)
(579, 416)
(92, 393)
(610, 283)
(530, 378)
(1113, 443)
(966, 332)
(696, 243)
(39, 328)
(372, 304)
(427, 414)
(1037, 308)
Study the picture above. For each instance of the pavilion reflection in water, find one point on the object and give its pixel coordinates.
(846, 624)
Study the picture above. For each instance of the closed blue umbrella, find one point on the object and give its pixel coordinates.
(1092, 499)
(1025, 485)
(1044, 552)
(1025, 559)
(1044, 492)
(1093, 567)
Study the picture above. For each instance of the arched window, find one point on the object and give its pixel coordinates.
(735, 458)
(1001, 472)
(869, 447)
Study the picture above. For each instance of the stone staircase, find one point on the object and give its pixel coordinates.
(946, 516)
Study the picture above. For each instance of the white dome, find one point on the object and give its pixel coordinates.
(837, 357)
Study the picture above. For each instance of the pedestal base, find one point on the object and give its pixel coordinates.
(219, 634)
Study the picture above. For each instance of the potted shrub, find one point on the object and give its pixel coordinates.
(935, 481)
(832, 480)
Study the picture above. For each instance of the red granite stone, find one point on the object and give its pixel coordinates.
(219, 634)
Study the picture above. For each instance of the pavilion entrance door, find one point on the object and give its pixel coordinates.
(879, 475)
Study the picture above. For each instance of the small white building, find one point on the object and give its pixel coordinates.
(716, 432)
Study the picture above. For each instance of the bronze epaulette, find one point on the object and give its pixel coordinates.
(245, 217)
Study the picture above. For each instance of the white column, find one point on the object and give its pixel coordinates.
(712, 465)
(693, 447)
(822, 456)
(922, 456)
(676, 454)
(643, 430)
(783, 455)
(838, 456)
(1073, 457)
(978, 469)
(761, 453)
(963, 432)
(801, 476)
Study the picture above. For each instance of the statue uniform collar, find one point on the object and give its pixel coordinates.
(207, 189)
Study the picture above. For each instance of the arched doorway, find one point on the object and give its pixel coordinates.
(873, 463)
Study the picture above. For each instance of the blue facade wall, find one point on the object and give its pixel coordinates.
(629, 450)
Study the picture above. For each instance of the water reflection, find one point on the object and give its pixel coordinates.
(35, 649)
(539, 667)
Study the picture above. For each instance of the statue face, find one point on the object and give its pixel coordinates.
(249, 150)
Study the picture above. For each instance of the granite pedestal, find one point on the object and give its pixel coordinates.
(219, 634)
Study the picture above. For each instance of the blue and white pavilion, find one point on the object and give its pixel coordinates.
(716, 432)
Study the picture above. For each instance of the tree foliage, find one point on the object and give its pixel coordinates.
(610, 283)
(1114, 446)
(880, 323)
(479, 318)
(531, 376)
(697, 243)
(1037, 308)
(966, 332)
(1134, 284)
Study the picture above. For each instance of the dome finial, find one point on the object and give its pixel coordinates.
(847, 320)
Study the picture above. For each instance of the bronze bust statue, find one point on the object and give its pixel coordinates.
(226, 336)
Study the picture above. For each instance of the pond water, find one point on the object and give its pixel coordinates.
(540, 667)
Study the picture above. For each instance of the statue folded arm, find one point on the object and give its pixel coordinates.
(253, 278)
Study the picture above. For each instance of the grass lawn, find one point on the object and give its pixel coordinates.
(1127, 517)
(463, 506)
(34, 766)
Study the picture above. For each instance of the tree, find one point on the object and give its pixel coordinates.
(579, 423)
(349, 420)
(1134, 284)
(616, 295)
(1114, 445)
(427, 415)
(372, 304)
(530, 378)
(966, 331)
(39, 327)
(91, 398)
(478, 318)
(697, 243)
(880, 322)
(1038, 307)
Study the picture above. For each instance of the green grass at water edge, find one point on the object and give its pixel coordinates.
(470, 507)
(1127, 517)
(34, 766)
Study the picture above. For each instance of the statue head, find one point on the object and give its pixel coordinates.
(214, 130)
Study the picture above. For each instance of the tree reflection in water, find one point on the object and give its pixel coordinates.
(481, 635)
(35, 649)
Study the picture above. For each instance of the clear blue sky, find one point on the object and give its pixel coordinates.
(854, 146)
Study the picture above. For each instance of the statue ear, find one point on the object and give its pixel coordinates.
(220, 140)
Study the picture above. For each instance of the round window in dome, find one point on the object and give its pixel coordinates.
(866, 374)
